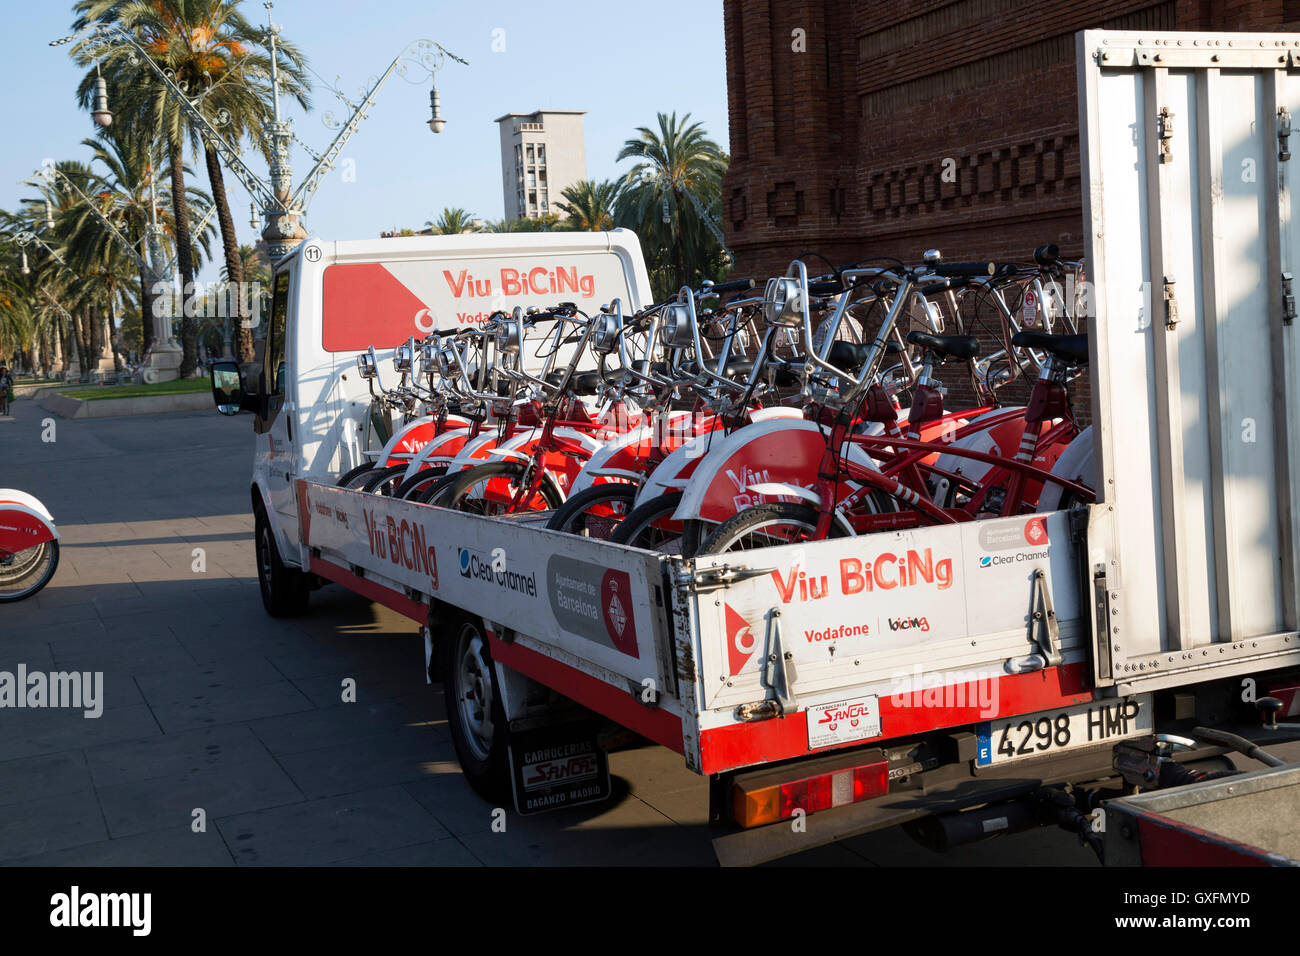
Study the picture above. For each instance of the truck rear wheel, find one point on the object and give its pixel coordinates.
(285, 590)
(475, 717)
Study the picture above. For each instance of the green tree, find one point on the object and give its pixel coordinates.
(671, 197)
(590, 206)
(214, 54)
(547, 223)
(453, 222)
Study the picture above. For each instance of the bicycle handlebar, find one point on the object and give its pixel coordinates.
(968, 270)
(734, 285)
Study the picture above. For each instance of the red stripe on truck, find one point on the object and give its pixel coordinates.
(781, 738)
(394, 600)
(592, 692)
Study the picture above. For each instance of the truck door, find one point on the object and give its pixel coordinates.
(1191, 244)
(275, 450)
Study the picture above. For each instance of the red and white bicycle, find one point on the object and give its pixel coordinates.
(29, 545)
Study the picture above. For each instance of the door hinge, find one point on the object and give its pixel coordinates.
(1165, 130)
(1171, 303)
(707, 579)
(1283, 134)
(1101, 625)
(1288, 299)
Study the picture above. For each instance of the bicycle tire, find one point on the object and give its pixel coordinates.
(569, 514)
(636, 529)
(36, 575)
(454, 494)
(766, 514)
(420, 481)
(382, 481)
(353, 477)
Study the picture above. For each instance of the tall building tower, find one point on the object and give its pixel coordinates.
(542, 153)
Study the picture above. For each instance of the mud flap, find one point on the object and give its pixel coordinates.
(556, 767)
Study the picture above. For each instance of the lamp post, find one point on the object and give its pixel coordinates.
(282, 205)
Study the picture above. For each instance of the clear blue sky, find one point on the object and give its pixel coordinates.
(620, 62)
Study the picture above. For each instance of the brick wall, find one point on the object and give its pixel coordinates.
(884, 129)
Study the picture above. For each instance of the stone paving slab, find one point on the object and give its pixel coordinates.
(329, 830)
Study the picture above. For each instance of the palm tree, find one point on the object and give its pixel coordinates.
(211, 51)
(453, 222)
(129, 196)
(545, 223)
(253, 265)
(589, 205)
(95, 277)
(671, 196)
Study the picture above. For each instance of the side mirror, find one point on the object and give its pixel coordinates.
(228, 389)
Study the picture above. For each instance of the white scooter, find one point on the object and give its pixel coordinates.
(29, 545)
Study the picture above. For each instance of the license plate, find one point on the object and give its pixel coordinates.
(558, 767)
(1052, 731)
(843, 722)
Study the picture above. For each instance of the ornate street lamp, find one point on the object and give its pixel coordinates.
(101, 114)
(281, 203)
(436, 122)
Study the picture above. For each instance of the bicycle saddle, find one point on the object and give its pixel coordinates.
(1072, 349)
(849, 356)
(946, 346)
(580, 382)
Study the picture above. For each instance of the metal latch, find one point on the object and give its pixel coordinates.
(1288, 299)
(1165, 130)
(1171, 303)
(1043, 627)
(707, 579)
(1283, 134)
(778, 668)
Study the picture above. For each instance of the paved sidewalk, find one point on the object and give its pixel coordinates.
(215, 712)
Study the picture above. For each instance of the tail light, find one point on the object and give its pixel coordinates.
(770, 796)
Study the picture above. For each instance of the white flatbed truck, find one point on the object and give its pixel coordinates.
(948, 678)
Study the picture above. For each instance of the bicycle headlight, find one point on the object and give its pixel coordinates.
(604, 336)
(429, 350)
(675, 330)
(511, 336)
(402, 358)
(782, 302)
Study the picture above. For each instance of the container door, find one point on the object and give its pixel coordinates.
(1191, 246)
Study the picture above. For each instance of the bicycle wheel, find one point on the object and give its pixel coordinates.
(490, 490)
(650, 525)
(764, 526)
(414, 487)
(23, 573)
(356, 477)
(384, 481)
(432, 494)
(595, 512)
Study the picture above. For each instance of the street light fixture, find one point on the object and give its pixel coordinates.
(253, 219)
(436, 122)
(101, 114)
(281, 204)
